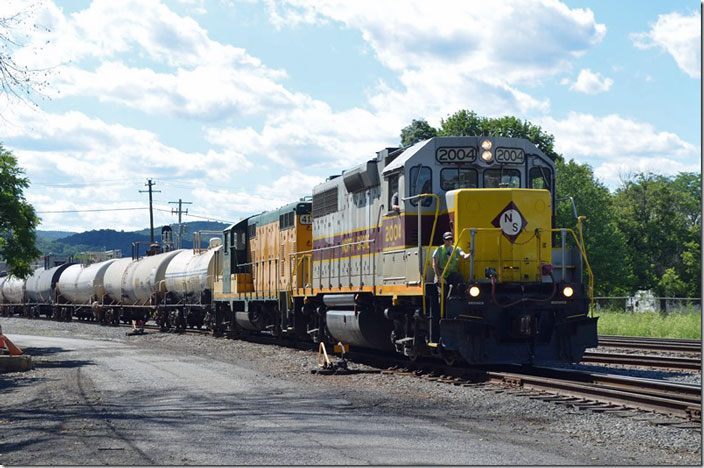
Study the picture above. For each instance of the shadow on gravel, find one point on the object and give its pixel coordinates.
(182, 422)
(44, 351)
(63, 364)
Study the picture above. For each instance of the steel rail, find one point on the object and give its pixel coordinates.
(652, 344)
(664, 362)
(675, 399)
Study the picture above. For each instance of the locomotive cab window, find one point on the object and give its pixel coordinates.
(452, 178)
(539, 178)
(421, 182)
(394, 196)
(502, 178)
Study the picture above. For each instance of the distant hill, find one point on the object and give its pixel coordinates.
(54, 235)
(109, 239)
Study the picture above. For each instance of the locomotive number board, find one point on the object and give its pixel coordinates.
(456, 154)
(510, 155)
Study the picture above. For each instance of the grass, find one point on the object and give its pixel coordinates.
(685, 324)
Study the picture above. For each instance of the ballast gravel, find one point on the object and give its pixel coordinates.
(608, 439)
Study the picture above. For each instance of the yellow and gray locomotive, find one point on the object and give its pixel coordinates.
(353, 264)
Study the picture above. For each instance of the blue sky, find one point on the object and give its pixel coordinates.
(240, 106)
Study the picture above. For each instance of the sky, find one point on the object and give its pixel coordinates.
(241, 106)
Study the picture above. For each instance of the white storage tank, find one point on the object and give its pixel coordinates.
(190, 273)
(79, 284)
(144, 277)
(112, 280)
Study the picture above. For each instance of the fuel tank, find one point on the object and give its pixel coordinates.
(364, 328)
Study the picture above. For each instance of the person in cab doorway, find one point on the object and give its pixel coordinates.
(446, 253)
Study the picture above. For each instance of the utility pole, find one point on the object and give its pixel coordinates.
(180, 211)
(151, 213)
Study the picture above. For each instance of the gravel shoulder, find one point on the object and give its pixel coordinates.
(55, 414)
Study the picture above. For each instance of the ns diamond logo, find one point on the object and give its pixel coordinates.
(511, 222)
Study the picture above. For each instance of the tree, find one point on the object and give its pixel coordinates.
(662, 231)
(468, 123)
(418, 130)
(604, 242)
(18, 220)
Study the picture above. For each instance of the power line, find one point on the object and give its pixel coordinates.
(89, 211)
(207, 218)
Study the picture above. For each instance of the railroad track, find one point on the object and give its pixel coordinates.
(651, 344)
(609, 393)
(597, 392)
(586, 390)
(650, 361)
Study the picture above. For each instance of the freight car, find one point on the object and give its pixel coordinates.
(173, 287)
(352, 265)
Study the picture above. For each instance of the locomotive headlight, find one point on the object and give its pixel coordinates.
(474, 290)
(567, 291)
(486, 145)
(487, 156)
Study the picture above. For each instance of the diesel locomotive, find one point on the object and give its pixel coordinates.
(350, 264)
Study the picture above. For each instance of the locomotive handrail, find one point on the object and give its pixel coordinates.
(424, 271)
(580, 245)
(582, 251)
(309, 253)
(471, 250)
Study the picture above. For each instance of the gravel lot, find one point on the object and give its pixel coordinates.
(581, 436)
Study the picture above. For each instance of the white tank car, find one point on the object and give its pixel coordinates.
(79, 284)
(13, 290)
(144, 277)
(32, 285)
(112, 281)
(41, 290)
(2, 281)
(190, 273)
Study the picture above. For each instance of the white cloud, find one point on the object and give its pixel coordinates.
(678, 35)
(107, 165)
(465, 52)
(589, 82)
(313, 136)
(181, 72)
(513, 40)
(613, 146)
